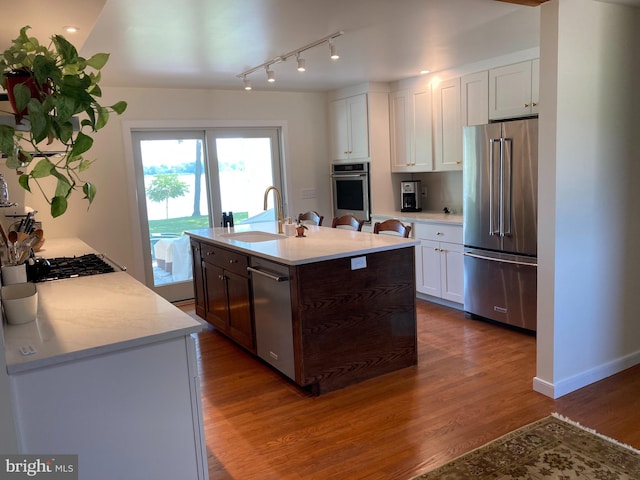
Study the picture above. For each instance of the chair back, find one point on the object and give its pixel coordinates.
(348, 221)
(392, 225)
(311, 217)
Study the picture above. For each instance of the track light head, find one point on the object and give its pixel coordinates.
(332, 49)
(301, 64)
(247, 83)
(271, 76)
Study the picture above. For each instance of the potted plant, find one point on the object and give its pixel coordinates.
(49, 87)
(300, 228)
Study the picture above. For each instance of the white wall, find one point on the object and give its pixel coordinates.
(107, 225)
(587, 297)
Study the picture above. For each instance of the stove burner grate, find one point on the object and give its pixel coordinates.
(82, 266)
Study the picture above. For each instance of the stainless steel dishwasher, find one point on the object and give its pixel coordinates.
(272, 313)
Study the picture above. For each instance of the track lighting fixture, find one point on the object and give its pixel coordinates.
(300, 61)
(271, 77)
(334, 52)
(301, 64)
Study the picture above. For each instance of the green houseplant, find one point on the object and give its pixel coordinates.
(50, 88)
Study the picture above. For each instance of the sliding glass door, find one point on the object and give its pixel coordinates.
(243, 162)
(185, 180)
(172, 198)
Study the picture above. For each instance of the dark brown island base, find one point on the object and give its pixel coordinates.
(328, 310)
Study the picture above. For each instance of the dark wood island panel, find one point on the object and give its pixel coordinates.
(351, 318)
(354, 324)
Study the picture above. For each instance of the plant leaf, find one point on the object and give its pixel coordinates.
(119, 107)
(42, 169)
(38, 119)
(63, 188)
(22, 95)
(67, 51)
(84, 165)
(98, 60)
(82, 144)
(103, 117)
(89, 190)
(58, 206)
(23, 180)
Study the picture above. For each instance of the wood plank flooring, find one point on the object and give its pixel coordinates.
(473, 383)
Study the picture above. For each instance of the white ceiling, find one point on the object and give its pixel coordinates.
(206, 43)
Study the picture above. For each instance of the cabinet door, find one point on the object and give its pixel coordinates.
(349, 128)
(338, 129)
(240, 320)
(358, 125)
(422, 130)
(510, 91)
(452, 272)
(475, 98)
(216, 295)
(535, 84)
(400, 131)
(428, 268)
(198, 280)
(447, 125)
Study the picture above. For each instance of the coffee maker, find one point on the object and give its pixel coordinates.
(410, 193)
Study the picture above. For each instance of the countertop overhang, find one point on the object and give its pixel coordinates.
(87, 316)
(318, 244)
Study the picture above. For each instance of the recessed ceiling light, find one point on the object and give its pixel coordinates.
(70, 29)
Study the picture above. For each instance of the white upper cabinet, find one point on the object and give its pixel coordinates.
(411, 130)
(447, 128)
(348, 120)
(475, 99)
(513, 90)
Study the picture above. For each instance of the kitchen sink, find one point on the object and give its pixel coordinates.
(254, 236)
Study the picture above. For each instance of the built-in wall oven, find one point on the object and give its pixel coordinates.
(350, 186)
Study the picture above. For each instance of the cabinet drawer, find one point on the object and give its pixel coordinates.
(439, 232)
(232, 261)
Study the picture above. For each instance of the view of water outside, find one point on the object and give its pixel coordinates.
(244, 170)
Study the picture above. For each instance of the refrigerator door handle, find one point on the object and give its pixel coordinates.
(492, 147)
(507, 193)
(501, 260)
(501, 191)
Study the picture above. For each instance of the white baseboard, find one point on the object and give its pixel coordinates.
(567, 385)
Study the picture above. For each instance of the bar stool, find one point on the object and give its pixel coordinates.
(348, 221)
(392, 225)
(312, 217)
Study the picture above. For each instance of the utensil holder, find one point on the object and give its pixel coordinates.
(20, 302)
(14, 274)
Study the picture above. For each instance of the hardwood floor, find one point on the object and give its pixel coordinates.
(473, 383)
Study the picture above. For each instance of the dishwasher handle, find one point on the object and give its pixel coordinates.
(272, 276)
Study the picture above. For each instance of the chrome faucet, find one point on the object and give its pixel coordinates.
(279, 212)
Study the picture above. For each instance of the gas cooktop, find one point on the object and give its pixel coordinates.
(69, 267)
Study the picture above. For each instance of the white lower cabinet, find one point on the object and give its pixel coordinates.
(439, 261)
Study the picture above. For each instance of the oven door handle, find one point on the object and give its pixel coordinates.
(351, 175)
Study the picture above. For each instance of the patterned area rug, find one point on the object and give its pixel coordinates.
(551, 448)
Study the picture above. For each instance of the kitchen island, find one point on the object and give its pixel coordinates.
(329, 309)
(107, 371)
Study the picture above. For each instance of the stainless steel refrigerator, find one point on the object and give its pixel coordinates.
(500, 210)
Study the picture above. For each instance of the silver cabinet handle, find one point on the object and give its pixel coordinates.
(272, 276)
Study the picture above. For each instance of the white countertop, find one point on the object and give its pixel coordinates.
(86, 316)
(439, 217)
(318, 244)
